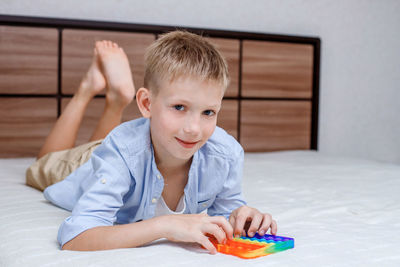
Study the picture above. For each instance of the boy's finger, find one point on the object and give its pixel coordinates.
(232, 221)
(224, 224)
(255, 224)
(274, 227)
(216, 231)
(207, 244)
(240, 221)
(266, 224)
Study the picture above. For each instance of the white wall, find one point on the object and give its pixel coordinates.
(360, 60)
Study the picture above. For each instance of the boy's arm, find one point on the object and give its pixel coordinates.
(104, 181)
(183, 228)
(117, 236)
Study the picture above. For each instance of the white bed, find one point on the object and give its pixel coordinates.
(341, 212)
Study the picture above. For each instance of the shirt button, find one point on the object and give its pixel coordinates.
(154, 200)
(158, 176)
(103, 181)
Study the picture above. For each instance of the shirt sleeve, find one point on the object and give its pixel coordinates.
(230, 197)
(106, 180)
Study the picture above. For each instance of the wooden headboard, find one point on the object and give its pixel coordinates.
(271, 103)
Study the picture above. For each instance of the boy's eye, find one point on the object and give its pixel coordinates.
(209, 113)
(179, 107)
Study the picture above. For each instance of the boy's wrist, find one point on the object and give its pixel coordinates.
(160, 226)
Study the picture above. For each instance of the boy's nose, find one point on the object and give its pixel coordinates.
(192, 125)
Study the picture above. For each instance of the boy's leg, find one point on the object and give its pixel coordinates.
(64, 132)
(120, 87)
(55, 166)
(110, 66)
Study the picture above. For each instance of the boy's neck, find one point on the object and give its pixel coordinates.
(169, 165)
(172, 165)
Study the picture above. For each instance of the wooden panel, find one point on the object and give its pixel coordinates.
(78, 51)
(273, 69)
(229, 48)
(275, 125)
(93, 114)
(28, 60)
(228, 117)
(25, 124)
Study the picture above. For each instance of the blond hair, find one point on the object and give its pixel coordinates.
(180, 53)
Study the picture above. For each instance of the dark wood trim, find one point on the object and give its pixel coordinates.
(315, 96)
(145, 28)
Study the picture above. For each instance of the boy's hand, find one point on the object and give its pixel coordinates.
(195, 227)
(250, 220)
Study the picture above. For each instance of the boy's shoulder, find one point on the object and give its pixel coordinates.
(223, 144)
(133, 135)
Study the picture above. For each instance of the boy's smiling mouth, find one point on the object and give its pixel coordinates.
(186, 144)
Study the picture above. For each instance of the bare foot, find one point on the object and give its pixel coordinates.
(116, 69)
(94, 81)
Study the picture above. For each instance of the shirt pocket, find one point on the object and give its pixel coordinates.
(204, 204)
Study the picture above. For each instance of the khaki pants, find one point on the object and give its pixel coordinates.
(55, 166)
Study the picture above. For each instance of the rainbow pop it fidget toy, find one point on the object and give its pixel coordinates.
(254, 247)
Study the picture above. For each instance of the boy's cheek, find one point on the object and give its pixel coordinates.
(211, 130)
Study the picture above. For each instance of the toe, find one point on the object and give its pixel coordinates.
(97, 44)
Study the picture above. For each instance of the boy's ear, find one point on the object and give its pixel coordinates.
(143, 101)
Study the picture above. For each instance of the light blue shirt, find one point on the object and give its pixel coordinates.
(121, 183)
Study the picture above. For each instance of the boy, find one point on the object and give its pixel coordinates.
(151, 177)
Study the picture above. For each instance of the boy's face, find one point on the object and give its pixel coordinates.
(183, 116)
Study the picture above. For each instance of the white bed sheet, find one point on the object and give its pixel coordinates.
(341, 212)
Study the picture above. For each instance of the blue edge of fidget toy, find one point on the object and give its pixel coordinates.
(281, 242)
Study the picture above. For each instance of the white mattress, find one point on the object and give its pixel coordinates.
(341, 212)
